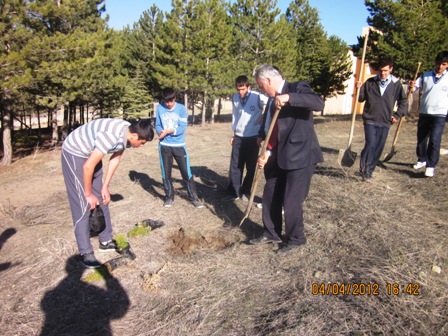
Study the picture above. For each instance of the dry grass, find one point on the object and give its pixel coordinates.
(196, 275)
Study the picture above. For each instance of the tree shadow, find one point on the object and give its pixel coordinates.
(212, 188)
(76, 307)
(8, 233)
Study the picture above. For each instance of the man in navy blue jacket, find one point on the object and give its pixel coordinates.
(292, 155)
(380, 94)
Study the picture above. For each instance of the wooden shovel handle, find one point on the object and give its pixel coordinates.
(401, 119)
(262, 153)
(361, 74)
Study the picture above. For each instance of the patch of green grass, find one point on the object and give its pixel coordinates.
(139, 230)
(121, 241)
(98, 274)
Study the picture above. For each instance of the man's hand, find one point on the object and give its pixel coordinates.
(394, 120)
(281, 100)
(231, 140)
(262, 159)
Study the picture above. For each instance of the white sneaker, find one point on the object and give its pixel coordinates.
(419, 165)
(429, 172)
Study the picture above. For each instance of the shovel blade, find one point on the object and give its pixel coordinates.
(389, 155)
(346, 157)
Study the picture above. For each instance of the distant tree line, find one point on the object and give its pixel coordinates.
(62, 54)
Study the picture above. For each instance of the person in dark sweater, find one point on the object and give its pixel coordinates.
(380, 94)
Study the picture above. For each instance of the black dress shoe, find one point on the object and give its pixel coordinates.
(285, 249)
(264, 240)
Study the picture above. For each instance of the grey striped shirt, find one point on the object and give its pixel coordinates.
(108, 135)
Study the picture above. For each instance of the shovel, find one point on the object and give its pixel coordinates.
(257, 173)
(347, 157)
(394, 142)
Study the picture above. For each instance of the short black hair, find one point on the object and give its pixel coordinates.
(143, 127)
(168, 94)
(442, 57)
(385, 61)
(242, 81)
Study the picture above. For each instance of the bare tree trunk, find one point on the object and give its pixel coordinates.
(38, 120)
(7, 135)
(214, 108)
(54, 127)
(204, 101)
(219, 108)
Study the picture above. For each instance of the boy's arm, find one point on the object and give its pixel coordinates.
(113, 164)
(182, 123)
(88, 170)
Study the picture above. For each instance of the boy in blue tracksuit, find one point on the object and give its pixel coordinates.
(171, 124)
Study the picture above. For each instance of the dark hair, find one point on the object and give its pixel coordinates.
(242, 81)
(386, 61)
(168, 94)
(143, 127)
(442, 57)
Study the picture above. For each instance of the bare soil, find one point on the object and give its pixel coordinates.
(375, 263)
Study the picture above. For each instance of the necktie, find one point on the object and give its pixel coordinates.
(383, 83)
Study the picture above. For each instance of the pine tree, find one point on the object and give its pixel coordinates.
(310, 39)
(409, 31)
(13, 73)
(255, 30)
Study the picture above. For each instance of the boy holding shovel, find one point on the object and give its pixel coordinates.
(380, 94)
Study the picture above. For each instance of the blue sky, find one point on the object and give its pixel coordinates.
(343, 18)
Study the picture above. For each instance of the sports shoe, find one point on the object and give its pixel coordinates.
(108, 246)
(229, 198)
(429, 172)
(287, 248)
(168, 202)
(197, 203)
(264, 240)
(419, 165)
(88, 260)
(260, 205)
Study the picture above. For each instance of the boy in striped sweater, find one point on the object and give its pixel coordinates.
(82, 154)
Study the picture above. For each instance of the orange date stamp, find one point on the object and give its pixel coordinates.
(365, 289)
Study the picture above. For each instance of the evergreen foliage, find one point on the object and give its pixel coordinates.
(61, 53)
(409, 31)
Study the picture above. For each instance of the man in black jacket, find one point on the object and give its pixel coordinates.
(380, 94)
(292, 155)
